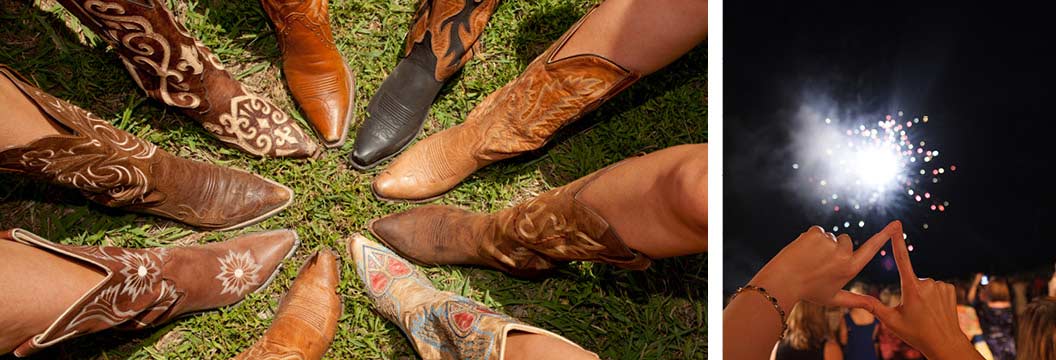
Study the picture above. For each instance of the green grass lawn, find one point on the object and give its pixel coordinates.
(659, 313)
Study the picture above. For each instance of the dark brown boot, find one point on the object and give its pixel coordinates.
(117, 169)
(175, 68)
(306, 322)
(147, 287)
(525, 240)
(316, 73)
(520, 117)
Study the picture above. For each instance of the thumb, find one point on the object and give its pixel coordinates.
(889, 316)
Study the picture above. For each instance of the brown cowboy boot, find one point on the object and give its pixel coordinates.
(175, 68)
(117, 169)
(525, 240)
(315, 72)
(306, 322)
(147, 287)
(517, 118)
(441, 40)
(440, 324)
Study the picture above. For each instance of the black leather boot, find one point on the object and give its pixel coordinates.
(438, 45)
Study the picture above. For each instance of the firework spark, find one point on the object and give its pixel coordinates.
(859, 170)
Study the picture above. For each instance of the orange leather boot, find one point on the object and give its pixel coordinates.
(307, 318)
(316, 73)
(520, 117)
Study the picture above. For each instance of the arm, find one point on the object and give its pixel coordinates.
(812, 268)
(843, 331)
(975, 286)
(832, 351)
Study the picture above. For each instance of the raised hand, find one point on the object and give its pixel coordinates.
(927, 316)
(818, 264)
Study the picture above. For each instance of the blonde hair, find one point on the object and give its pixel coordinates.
(1037, 331)
(807, 326)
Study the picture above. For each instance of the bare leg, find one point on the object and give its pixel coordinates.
(37, 288)
(527, 346)
(641, 35)
(658, 203)
(24, 121)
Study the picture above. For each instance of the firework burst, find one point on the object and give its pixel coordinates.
(870, 169)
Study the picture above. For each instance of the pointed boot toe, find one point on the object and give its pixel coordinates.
(119, 170)
(143, 288)
(306, 322)
(148, 38)
(427, 235)
(316, 73)
(440, 324)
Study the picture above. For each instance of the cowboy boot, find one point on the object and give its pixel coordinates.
(119, 170)
(440, 324)
(147, 287)
(519, 117)
(316, 73)
(526, 240)
(306, 322)
(439, 43)
(175, 68)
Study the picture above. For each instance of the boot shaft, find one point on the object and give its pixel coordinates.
(448, 30)
(175, 68)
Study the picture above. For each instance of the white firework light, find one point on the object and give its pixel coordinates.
(862, 169)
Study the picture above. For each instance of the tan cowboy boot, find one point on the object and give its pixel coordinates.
(440, 324)
(519, 117)
(525, 240)
(117, 169)
(442, 38)
(175, 68)
(147, 287)
(316, 73)
(307, 318)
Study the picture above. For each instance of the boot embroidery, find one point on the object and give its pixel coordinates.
(452, 327)
(140, 273)
(238, 272)
(116, 304)
(454, 27)
(172, 66)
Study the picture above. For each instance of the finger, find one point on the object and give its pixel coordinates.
(844, 244)
(951, 302)
(830, 236)
(872, 246)
(848, 299)
(888, 316)
(905, 267)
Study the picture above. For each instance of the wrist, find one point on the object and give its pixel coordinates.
(781, 289)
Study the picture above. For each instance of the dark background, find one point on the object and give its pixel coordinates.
(982, 75)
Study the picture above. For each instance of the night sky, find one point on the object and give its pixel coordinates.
(982, 75)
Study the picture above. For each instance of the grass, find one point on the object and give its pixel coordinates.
(659, 313)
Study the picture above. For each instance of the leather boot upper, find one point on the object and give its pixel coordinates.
(315, 71)
(175, 68)
(521, 116)
(118, 169)
(147, 287)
